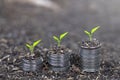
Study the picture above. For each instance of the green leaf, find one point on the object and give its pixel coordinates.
(63, 35)
(56, 38)
(88, 33)
(95, 29)
(36, 43)
(29, 46)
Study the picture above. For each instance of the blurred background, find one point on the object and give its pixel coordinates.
(25, 20)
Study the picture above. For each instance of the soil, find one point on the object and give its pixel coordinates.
(59, 50)
(37, 53)
(21, 24)
(90, 44)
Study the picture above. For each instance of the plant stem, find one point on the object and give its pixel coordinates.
(59, 43)
(90, 37)
(32, 50)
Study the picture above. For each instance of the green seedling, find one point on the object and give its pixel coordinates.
(31, 47)
(90, 34)
(60, 38)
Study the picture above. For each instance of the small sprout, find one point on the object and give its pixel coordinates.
(90, 34)
(32, 47)
(59, 39)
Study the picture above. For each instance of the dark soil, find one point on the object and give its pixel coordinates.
(90, 44)
(21, 24)
(36, 54)
(59, 50)
(12, 51)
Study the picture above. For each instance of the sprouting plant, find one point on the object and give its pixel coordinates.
(59, 39)
(90, 34)
(31, 47)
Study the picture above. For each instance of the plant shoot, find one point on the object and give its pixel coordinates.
(90, 34)
(60, 38)
(32, 47)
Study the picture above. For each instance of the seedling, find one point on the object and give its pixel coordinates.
(60, 38)
(31, 47)
(90, 34)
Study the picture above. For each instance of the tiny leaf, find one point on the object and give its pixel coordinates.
(63, 35)
(95, 29)
(29, 46)
(36, 43)
(88, 33)
(55, 38)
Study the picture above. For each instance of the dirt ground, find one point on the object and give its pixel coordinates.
(21, 23)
